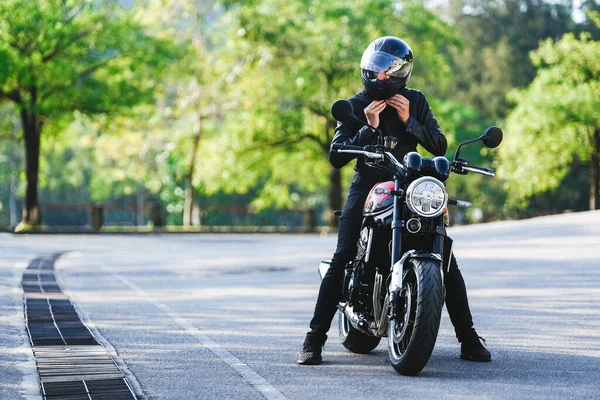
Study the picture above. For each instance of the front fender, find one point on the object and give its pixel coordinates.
(398, 268)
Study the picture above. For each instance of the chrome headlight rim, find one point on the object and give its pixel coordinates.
(410, 197)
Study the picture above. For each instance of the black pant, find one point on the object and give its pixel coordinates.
(348, 232)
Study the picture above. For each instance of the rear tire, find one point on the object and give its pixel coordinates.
(353, 339)
(412, 335)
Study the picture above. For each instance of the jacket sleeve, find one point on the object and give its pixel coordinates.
(348, 134)
(425, 128)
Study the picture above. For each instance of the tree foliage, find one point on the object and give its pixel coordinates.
(556, 121)
(299, 57)
(73, 55)
(497, 36)
(244, 105)
(93, 57)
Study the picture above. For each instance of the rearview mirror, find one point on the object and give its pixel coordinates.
(492, 137)
(342, 111)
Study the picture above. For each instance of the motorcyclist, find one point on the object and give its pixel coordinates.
(387, 104)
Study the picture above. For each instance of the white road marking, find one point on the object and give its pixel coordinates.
(247, 373)
(130, 380)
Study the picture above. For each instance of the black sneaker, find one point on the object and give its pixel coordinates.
(471, 348)
(311, 350)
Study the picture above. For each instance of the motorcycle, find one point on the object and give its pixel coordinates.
(394, 285)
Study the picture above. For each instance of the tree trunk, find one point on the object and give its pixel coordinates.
(32, 129)
(595, 171)
(188, 205)
(12, 193)
(335, 194)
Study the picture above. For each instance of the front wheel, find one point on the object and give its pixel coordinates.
(412, 335)
(353, 339)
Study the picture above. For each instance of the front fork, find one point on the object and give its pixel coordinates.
(396, 267)
(398, 259)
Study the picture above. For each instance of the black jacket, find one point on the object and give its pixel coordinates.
(422, 128)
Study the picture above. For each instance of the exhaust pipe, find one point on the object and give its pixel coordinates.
(363, 325)
(356, 322)
(382, 327)
(379, 312)
(376, 291)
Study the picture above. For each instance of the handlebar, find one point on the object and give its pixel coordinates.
(480, 170)
(460, 203)
(338, 146)
(462, 167)
(459, 166)
(342, 148)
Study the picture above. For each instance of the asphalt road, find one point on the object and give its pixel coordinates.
(223, 316)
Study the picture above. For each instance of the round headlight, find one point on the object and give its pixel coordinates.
(427, 197)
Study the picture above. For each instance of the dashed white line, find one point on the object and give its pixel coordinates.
(247, 373)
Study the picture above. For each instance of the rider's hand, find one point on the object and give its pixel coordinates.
(401, 105)
(372, 112)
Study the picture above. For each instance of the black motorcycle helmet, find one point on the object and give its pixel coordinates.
(391, 56)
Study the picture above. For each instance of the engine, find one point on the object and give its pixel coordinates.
(359, 276)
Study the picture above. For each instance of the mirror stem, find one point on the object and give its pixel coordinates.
(457, 155)
(377, 131)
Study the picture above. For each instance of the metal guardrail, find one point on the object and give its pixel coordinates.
(115, 217)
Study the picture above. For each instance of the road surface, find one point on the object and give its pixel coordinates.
(223, 316)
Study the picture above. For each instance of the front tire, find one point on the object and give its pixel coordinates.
(412, 335)
(353, 339)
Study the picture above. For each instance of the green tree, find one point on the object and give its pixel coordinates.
(73, 55)
(460, 123)
(197, 87)
(497, 38)
(9, 156)
(186, 114)
(556, 123)
(300, 57)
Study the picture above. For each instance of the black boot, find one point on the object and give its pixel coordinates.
(311, 349)
(471, 348)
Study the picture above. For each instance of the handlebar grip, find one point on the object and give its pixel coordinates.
(338, 146)
(482, 169)
(460, 203)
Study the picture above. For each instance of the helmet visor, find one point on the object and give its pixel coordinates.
(375, 62)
